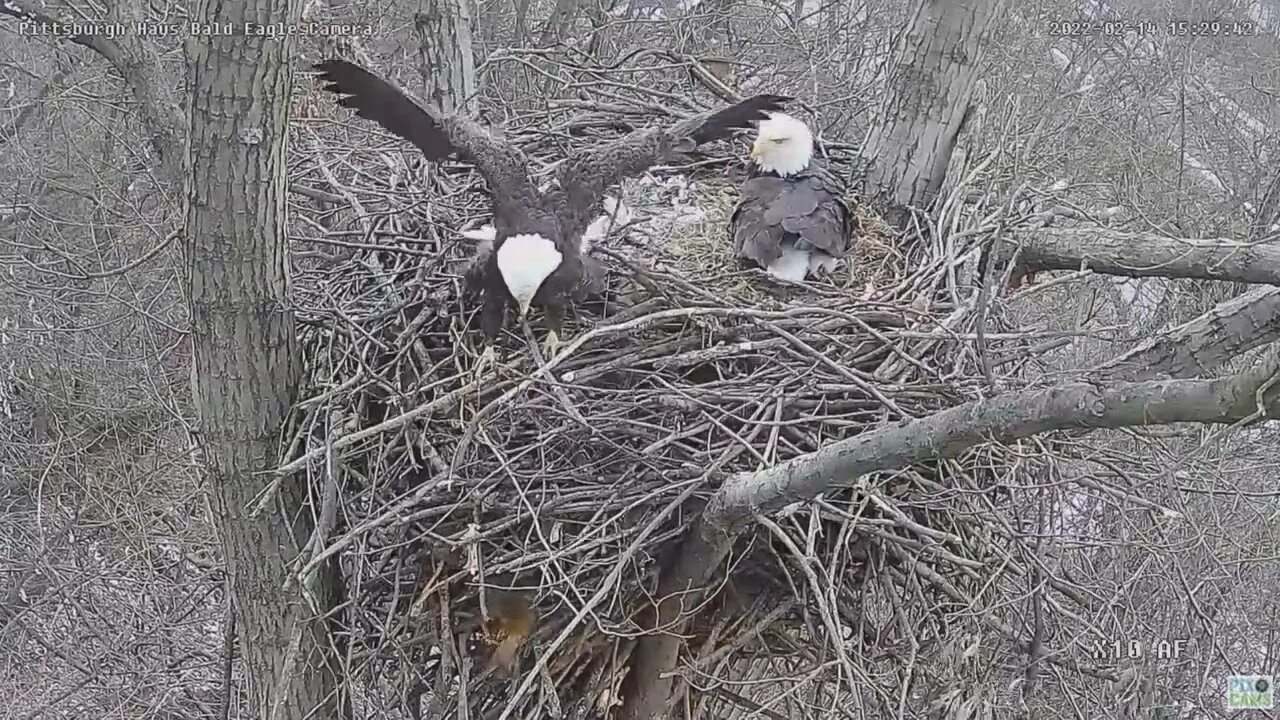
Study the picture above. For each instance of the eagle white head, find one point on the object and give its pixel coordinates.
(526, 261)
(783, 145)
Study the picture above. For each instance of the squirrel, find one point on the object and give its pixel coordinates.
(511, 620)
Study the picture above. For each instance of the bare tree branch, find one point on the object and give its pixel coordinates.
(1140, 254)
(1196, 348)
(52, 86)
(1004, 418)
(946, 434)
(137, 63)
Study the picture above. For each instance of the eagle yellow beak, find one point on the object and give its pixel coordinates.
(524, 308)
(757, 149)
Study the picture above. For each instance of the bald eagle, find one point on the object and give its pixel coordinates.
(536, 256)
(790, 218)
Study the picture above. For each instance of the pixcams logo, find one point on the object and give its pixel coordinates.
(1250, 692)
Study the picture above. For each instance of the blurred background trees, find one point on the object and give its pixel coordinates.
(113, 602)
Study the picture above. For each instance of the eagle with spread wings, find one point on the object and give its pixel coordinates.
(537, 255)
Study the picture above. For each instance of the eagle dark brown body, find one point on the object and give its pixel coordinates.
(791, 217)
(551, 224)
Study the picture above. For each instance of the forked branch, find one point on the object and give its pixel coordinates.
(1245, 397)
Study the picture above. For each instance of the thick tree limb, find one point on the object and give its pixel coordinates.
(1138, 254)
(1003, 418)
(247, 366)
(946, 434)
(137, 63)
(1197, 348)
(448, 62)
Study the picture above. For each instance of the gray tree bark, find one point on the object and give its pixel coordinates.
(448, 61)
(908, 149)
(1137, 254)
(247, 364)
(946, 434)
(564, 12)
(1197, 348)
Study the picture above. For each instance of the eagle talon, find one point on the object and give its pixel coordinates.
(486, 362)
(551, 345)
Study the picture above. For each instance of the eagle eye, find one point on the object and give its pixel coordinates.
(779, 141)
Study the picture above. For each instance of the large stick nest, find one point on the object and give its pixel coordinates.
(572, 482)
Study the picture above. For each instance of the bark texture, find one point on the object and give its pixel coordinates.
(1197, 348)
(929, 95)
(946, 434)
(1137, 254)
(448, 61)
(246, 361)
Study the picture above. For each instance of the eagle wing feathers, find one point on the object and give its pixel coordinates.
(721, 123)
(586, 174)
(806, 207)
(436, 134)
(753, 236)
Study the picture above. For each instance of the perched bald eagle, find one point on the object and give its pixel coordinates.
(536, 255)
(791, 218)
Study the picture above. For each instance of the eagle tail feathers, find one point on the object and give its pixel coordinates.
(792, 265)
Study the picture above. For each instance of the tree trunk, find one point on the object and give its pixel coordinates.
(564, 13)
(246, 366)
(448, 62)
(907, 152)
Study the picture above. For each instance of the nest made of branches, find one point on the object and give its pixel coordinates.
(571, 482)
